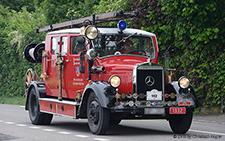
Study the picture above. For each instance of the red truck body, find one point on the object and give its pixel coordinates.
(98, 79)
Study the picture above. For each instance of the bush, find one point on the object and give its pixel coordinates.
(18, 31)
(195, 30)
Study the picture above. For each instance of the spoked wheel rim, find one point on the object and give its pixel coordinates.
(29, 77)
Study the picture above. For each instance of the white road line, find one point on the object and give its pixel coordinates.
(1, 121)
(22, 107)
(9, 122)
(49, 130)
(101, 139)
(82, 136)
(34, 127)
(21, 125)
(65, 133)
(207, 132)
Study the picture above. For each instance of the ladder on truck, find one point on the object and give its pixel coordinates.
(95, 19)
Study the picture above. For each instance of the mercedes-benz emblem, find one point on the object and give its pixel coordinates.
(149, 81)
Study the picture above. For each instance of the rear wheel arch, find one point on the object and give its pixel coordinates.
(28, 96)
(39, 87)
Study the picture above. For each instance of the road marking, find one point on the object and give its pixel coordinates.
(49, 130)
(34, 127)
(101, 139)
(207, 132)
(65, 133)
(81, 136)
(1, 121)
(10, 122)
(22, 107)
(21, 125)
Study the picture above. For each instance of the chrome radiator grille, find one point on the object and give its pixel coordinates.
(149, 78)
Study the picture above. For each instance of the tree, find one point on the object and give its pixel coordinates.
(105, 6)
(56, 11)
(17, 31)
(18, 4)
(195, 29)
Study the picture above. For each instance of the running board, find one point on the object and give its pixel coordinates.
(60, 108)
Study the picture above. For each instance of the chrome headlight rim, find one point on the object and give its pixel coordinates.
(183, 82)
(114, 78)
(91, 32)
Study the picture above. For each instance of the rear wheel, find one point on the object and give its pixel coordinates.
(98, 117)
(180, 124)
(35, 115)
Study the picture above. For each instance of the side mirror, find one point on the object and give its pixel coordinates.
(91, 54)
(82, 62)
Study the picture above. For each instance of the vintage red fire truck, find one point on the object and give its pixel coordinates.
(104, 74)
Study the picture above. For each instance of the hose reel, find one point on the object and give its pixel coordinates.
(33, 52)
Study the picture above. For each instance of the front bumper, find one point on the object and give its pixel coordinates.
(145, 112)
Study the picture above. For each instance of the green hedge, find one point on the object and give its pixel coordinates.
(195, 30)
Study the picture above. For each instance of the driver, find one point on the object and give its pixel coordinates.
(128, 46)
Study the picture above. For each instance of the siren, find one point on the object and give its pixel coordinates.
(33, 52)
(122, 25)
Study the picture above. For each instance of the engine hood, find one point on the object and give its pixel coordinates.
(120, 63)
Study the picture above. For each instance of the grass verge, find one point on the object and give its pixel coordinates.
(12, 100)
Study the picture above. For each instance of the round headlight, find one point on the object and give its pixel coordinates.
(183, 82)
(91, 32)
(115, 81)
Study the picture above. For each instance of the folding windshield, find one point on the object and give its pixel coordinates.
(124, 45)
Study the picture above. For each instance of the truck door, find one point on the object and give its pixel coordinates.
(73, 80)
(51, 82)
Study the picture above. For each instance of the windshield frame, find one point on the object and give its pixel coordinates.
(133, 36)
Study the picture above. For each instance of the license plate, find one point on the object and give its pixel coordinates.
(178, 110)
(154, 111)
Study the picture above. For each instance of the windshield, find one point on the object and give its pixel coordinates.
(118, 45)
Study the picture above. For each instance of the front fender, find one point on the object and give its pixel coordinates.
(174, 87)
(103, 92)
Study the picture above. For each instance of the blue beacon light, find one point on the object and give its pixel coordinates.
(122, 25)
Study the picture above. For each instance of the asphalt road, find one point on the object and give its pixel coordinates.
(15, 125)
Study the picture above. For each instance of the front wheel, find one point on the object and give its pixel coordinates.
(35, 115)
(98, 117)
(115, 119)
(180, 124)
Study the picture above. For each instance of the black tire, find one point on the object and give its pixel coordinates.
(180, 124)
(98, 117)
(115, 120)
(36, 117)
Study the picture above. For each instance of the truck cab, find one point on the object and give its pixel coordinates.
(105, 75)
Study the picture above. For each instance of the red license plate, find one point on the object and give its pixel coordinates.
(178, 110)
